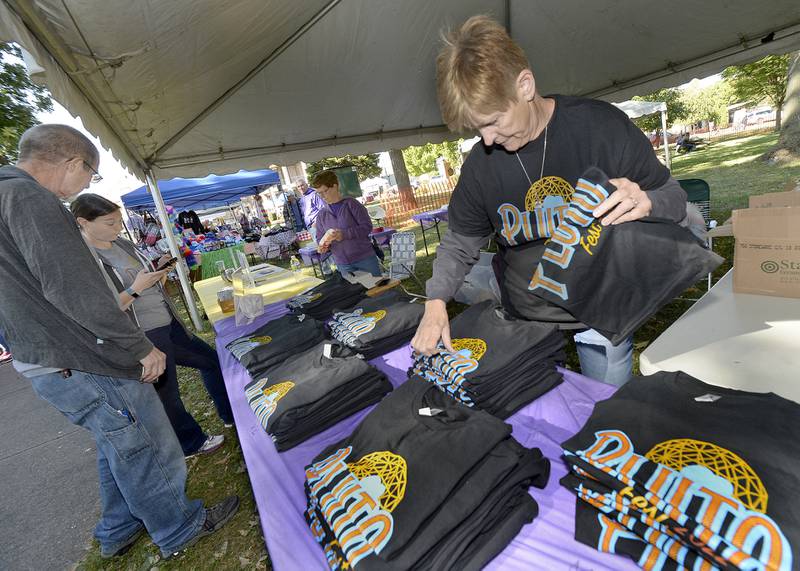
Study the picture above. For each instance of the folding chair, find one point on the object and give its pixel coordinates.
(403, 253)
(251, 252)
(699, 193)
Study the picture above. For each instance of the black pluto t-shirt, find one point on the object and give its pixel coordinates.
(397, 457)
(494, 195)
(634, 268)
(333, 294)
(275, 342)
(722, 463)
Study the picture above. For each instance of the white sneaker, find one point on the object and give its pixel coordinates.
(213, 443)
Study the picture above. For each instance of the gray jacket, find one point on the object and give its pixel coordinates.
(116, 280)
(56, 309)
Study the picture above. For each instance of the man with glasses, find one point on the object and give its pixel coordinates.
(95, 175)
(83, 355)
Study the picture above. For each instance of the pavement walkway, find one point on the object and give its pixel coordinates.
(49, 501)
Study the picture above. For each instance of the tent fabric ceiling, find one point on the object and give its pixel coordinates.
(202, 193)
(634, 109)
(196, 86)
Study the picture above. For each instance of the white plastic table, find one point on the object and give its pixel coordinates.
(735, 340)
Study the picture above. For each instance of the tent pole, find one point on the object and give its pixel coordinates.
(125, 224)
(666, 139)
(183, 273)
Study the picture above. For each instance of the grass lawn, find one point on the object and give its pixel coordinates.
(731, 168)
(209, 260)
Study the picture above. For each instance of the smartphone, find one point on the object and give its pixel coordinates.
(167, 264)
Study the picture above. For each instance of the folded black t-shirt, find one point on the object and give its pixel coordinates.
(311, 391)
(500, 364)
(374, 319)
(613, 278)
(724, 459)
(335, 293)
(409, 455)
(275, 342)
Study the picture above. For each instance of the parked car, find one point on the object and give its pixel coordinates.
(759, 116)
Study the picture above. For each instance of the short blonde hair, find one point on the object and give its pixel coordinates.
(476, 71)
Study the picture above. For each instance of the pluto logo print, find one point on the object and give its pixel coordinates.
(357, 499)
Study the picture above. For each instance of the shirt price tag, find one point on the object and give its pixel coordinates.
(428, 411)
(326, 350)
(708, 397)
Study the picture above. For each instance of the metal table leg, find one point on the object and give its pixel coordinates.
(424, 241)
(314, 260)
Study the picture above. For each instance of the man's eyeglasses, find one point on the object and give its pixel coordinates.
(95, 175)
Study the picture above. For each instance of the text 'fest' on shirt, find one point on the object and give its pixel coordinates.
(494, 196)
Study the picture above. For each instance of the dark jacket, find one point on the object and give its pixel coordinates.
(56, 309)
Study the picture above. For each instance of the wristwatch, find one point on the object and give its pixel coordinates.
(132, 292)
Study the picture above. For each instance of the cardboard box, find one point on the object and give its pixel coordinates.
(772, 199)
(767, 253)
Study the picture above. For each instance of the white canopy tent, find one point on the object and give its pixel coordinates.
(634, 109)
(190, 87)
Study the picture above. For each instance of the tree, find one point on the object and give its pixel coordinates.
(763, 80)
(676, 109)
(788, 146)
(366, 165)
(20, 99)
(400, 170)
(708, 103)
(422, 159)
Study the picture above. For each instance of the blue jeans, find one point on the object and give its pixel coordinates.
(140, 463)
(188, 351)
(602, 361)
(369, 264)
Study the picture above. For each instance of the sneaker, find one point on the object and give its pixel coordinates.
(213, 443)
(125, 547)
(216, 517)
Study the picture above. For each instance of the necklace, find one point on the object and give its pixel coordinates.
(544, 155)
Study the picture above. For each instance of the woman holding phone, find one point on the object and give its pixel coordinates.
(142, 295)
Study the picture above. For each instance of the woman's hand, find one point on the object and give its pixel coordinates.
(629, 202)
(435, 326)
(331, 235)
(145, 280)
(336, 235)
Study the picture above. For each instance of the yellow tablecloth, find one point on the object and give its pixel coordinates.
(279, 286)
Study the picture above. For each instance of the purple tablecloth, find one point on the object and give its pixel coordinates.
(277, 478)
(431, 216)
(383, 237)
(309, 254)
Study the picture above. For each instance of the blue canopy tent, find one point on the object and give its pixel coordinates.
(202, 193)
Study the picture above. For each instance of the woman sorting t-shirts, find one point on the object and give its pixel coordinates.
(143, 297)
(343, 228)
